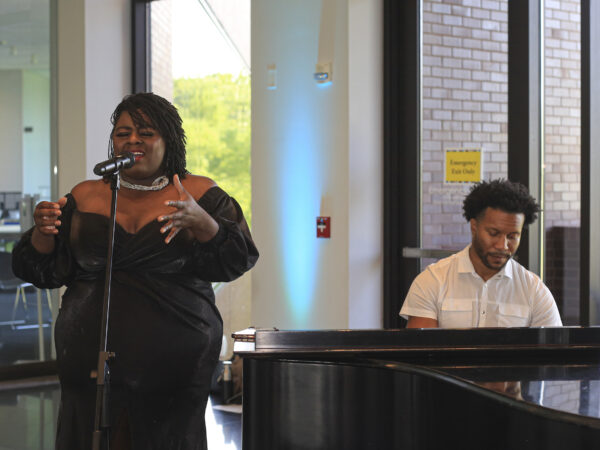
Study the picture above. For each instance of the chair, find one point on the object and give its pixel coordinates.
(8, 281)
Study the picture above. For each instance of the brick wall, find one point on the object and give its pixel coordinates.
(465, 104)
(562, 113)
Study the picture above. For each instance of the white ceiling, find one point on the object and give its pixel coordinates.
(24, 34)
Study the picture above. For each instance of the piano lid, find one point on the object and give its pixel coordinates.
(272, 341)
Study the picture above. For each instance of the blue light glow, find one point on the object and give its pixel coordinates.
(299, 200)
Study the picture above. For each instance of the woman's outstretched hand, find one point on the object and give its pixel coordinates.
(188, 215)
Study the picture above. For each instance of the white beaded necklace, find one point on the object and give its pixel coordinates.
(158, 184)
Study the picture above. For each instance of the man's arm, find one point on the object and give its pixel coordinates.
(421, 322)
(420, 306)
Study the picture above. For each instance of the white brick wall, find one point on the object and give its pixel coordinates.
(562, 89)
(465, 105)
(465, 95)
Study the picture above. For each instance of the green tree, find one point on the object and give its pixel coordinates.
(216, 117)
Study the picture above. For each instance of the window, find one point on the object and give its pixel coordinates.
(200, 61)
(26, 314)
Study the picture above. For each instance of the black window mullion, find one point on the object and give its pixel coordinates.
(141, 70)
(524, 114)
(401, 175)
(590, 164)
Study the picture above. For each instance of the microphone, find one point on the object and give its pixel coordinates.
(110, 166)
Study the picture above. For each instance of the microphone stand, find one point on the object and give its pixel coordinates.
(101, 434)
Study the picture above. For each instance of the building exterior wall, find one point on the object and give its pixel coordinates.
(562, 84)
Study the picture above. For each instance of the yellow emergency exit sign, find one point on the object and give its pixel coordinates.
(463, 165)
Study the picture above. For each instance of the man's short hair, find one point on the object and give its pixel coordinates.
(503, 195)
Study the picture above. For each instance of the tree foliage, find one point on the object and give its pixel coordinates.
(216, 118)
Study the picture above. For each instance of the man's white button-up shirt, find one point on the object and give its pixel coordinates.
(451, 292)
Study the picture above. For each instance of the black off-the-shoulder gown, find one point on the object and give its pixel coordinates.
(164, 326)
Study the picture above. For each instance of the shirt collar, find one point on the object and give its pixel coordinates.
(466, 266)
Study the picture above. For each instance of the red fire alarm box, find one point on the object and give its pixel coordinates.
(323, 227)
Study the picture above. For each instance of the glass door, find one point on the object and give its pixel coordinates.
(562, 154)
(464, 78)
(26, 313)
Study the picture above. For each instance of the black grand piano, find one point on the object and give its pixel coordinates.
(492, 388)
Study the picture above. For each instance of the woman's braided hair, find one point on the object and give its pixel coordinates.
(148, 110)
